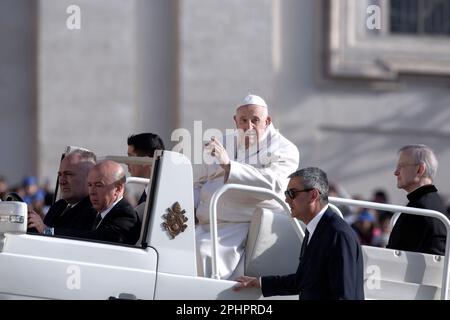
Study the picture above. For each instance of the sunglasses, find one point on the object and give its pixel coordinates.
(290, 193)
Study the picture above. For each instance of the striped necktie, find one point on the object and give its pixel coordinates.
(98, 218)
(67, 208)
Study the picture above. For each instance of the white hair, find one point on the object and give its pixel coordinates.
(421, 153)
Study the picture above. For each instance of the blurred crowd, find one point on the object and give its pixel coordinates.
(372, 226)
(38, 196)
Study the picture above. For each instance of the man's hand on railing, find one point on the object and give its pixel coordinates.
(247, 282)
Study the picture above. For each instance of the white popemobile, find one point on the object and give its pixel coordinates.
(162, 264)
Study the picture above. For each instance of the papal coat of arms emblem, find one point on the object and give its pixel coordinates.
(175, 220)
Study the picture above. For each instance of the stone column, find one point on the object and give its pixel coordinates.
(17, 89)
(87, 79)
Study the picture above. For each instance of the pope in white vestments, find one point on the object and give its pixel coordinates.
(257, 155)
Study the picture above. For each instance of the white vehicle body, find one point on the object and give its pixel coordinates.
(161, 266)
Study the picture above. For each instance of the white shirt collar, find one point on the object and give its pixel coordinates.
(311, 226)
(71, 205)
(105, 212)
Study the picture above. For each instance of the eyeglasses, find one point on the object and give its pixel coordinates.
(402, 165)
(290, 193)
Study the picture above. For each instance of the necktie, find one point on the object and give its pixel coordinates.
(304, 244)
(69, 206)
(98, 218)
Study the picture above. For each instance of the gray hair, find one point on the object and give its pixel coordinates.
(314, 178)
(85, 155)
(421, 153)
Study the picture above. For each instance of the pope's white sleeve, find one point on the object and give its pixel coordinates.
(274, 176)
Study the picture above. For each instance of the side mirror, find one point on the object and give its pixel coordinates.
(12, 196)
(13, 217)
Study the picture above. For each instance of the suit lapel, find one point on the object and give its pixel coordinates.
(119, 205)
(314, 240)
(314, 246)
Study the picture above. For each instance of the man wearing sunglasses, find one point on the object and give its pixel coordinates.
(331, 261)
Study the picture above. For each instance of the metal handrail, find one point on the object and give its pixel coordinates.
(213, 216)
(132, 160)
(128, 160)
(332, 201)
(336, 210)
(413, 211)
(137, 180)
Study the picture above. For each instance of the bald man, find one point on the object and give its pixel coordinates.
(116, 220)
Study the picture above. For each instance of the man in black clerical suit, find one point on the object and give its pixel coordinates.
(115, 220)
(331, 261)
(74, 210)
(416, 169)
(143, 145)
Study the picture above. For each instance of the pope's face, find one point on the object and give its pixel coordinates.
(252, 121)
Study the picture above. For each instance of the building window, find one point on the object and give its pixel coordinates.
(412, 36)
(421, 17)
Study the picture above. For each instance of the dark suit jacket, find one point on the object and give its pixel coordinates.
(331, 268)
(121, 225)
(79, 217)
(419, 233)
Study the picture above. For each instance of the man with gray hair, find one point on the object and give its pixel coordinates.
(74, 210)
(331, 261)
(415, 172)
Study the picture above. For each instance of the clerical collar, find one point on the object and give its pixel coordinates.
(428, 188)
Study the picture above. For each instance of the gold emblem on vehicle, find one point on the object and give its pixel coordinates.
(175, 220)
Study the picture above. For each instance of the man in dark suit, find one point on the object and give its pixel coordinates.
(143, 145)
(74, 210)
(116, 220)
(416, 168)
(331, 261)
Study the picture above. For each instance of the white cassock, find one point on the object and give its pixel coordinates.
(268, 167)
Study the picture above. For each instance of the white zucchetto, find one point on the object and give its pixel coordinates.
(253, 99)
